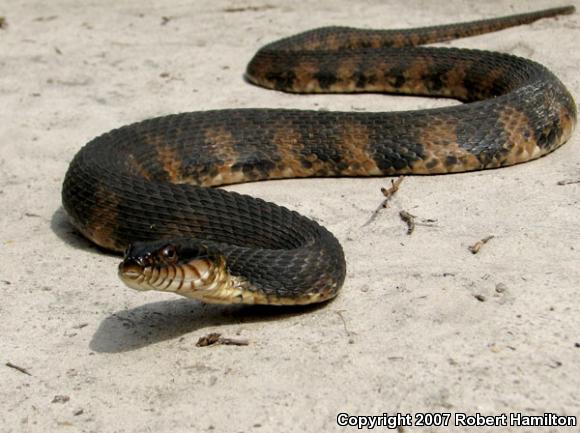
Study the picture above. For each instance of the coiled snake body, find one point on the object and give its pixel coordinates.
(146, 185)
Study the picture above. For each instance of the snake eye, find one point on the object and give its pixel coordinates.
(169, 253)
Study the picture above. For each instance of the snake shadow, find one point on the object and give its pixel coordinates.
(156, 322)
(64, 230)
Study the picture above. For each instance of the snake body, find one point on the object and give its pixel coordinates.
(143, 188)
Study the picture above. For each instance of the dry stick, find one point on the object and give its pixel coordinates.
(349, 334)
(248, 8)
(409, 220)
(429, 222)
(568, 182)
(477, 246)
(234, 341)
(388, 193)
(339, 314)
(208, 340)
(16, 367)
(215, 338)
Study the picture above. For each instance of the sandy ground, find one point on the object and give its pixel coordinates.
(421, 324)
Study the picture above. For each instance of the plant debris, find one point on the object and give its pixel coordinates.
(3, 22)
(16, 367)
(248, 8)
(349, 334)
(215, 338)
(60, 399)
(409, 220)
(46, 19)
(568, 182)
(477, 246)
(429, 222)
(388, 193)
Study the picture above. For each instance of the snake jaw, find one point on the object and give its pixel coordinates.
(184, 270)
(195, 271)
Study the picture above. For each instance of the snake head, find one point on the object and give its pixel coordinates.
(181, 266)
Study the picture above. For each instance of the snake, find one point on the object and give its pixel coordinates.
(148, 190)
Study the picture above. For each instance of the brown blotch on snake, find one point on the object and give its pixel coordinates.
(143, 188)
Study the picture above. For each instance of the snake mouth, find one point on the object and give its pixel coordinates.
(133, 275)
(173, 267)
(129, 271)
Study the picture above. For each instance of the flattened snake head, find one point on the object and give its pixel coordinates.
(180, 266)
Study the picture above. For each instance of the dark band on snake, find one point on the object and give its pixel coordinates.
(145, 188)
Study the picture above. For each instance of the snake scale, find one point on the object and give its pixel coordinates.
(144, 188)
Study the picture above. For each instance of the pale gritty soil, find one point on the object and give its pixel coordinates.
(421, 323)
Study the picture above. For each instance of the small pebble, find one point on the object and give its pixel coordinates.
(500, 287)
(60, 399)
(80, 325)
(480, 298)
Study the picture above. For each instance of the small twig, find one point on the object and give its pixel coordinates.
(339, 314)
(409, 220)
(477, 246)
(20, 369)
(349, 334)
(60, 399)
(427, 221)
(234, 341)
(208, 340)
(568, 182)
(248, 8)
(215, 338)
(388, 193)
